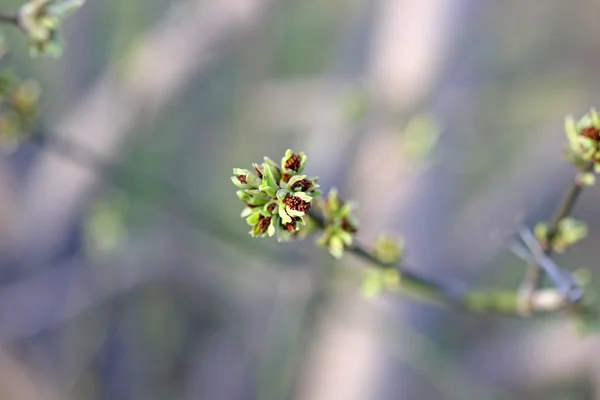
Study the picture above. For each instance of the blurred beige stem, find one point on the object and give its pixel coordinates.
(162, 62)
(408, 42)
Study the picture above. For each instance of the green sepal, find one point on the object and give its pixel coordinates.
(346, 237)
(269, 185)
(572, 133)
(243, 195)
(248, 211)
(595, 117)
(293, 213)
(271, 230)
(285, 218)
(239, 184)
(302, 163)
(285, 158)
(274, 168)
(253, 219)
(294, 179)
(303, 196)
(282, 194)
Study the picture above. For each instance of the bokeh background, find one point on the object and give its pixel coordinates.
(126, 272)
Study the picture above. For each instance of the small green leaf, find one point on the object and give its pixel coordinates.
(274, 168)
(336, 247)
(588, 179)
(388, 249)
(372, 286)
(595, 117)
(572, 132)
(253, 219)
(541, 231)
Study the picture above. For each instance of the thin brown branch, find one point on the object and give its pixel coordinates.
(9, 18)
(425, 288)
(455, 294)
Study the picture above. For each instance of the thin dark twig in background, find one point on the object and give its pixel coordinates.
(8, 18)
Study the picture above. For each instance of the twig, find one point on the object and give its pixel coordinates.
(561, 279)
(178, 203)
(427, 289)
(7, 18)
(456, 295)
(531, 281)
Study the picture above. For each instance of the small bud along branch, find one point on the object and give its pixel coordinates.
(41, 23)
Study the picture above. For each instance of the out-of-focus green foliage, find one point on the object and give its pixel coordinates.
(105, 229)
(378, 281)
(18, 109)
(420, 137)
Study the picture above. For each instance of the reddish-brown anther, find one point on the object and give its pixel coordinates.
(296, 203)
(242, 178)
(263, 224)
(293, 163)
(347, 226)
(591, 132)
(271, 207)
(303, 185)
(291, 226)
(258, 171)
(285, 177)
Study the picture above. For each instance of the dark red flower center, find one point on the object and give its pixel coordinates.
(591, 132)
(296, 203)
(303, 185)
(347, 226)
(258, 171)
(293, 162)
(263, 224)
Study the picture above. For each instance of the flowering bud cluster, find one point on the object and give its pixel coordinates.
(277, 197)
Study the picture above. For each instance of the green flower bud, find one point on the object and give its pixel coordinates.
(388, 249)
(570, 231)
(340, 225)
(274, 168)
(18, 110)
(583, 139)
(277, 199)
(41, 21)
